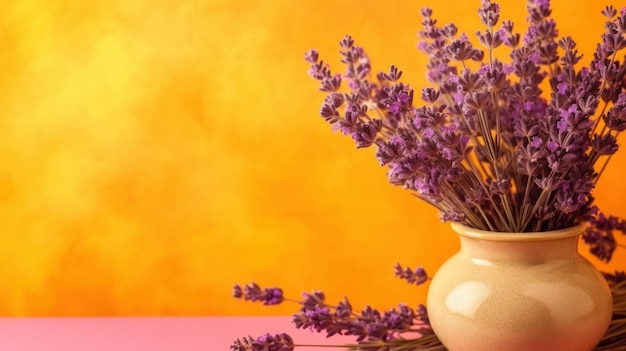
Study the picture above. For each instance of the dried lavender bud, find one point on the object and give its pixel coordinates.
(237, 292)
(417, 277)
(393, 75)
(460, 50)
(609, 12)
(370, 325)
(344, 309)
(330, 84)
(615, 118)
(525, 68)
(449, 30)
(399, 98)
(430, 95)
(266, 342)
(317, 318)
(602, 244)
(495, 75)
(544, 214)
(567, 43)
(611, 223)
(422, 314)
(613, 42)
(314, 299)
(606, 144)
(470, 81)
(388, 152)
(452, 216)
(615, 278)
(510, 39)
(357, 62)
(428, 117)
(490, 40)
(500, 186)
(347, 42)
(365, 134)
(477, 101)
(621, 21)
(489, 13)
(599, 234)
(399, 319)
(575, 121)
(549, 183)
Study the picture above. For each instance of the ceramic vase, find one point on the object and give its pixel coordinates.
(519, 292)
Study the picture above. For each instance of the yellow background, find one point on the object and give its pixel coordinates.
(155, 152)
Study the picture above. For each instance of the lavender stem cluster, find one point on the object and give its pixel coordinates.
(484, 144)
(374, 330)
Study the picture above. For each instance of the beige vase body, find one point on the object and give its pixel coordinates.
(519, 292)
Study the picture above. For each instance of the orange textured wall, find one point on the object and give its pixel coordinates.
(155, 152)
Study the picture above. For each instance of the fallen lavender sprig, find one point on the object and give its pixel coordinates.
(253, 292)
(373, 330)
(417, 276)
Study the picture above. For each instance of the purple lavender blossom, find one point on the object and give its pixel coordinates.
(599, 235)
(417, 277)
(616, 277)
(253, 292)
(489, 13)
(615, 118)
(601, 244)
(317, 318)
(237, 292)
(368, 325)
(266, 342)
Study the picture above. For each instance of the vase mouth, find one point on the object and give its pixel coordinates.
(470, 232)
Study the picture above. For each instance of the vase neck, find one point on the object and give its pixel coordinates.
(539, 250)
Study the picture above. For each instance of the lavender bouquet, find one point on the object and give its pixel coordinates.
(514, 146)
(485, 146)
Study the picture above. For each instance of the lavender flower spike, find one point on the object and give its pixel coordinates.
(417, 277)
(253, 292)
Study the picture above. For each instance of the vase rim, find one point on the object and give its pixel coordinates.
(470, 232)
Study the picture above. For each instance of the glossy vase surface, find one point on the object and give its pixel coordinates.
(519, 292)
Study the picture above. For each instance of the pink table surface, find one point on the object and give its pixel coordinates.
(146, 333)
